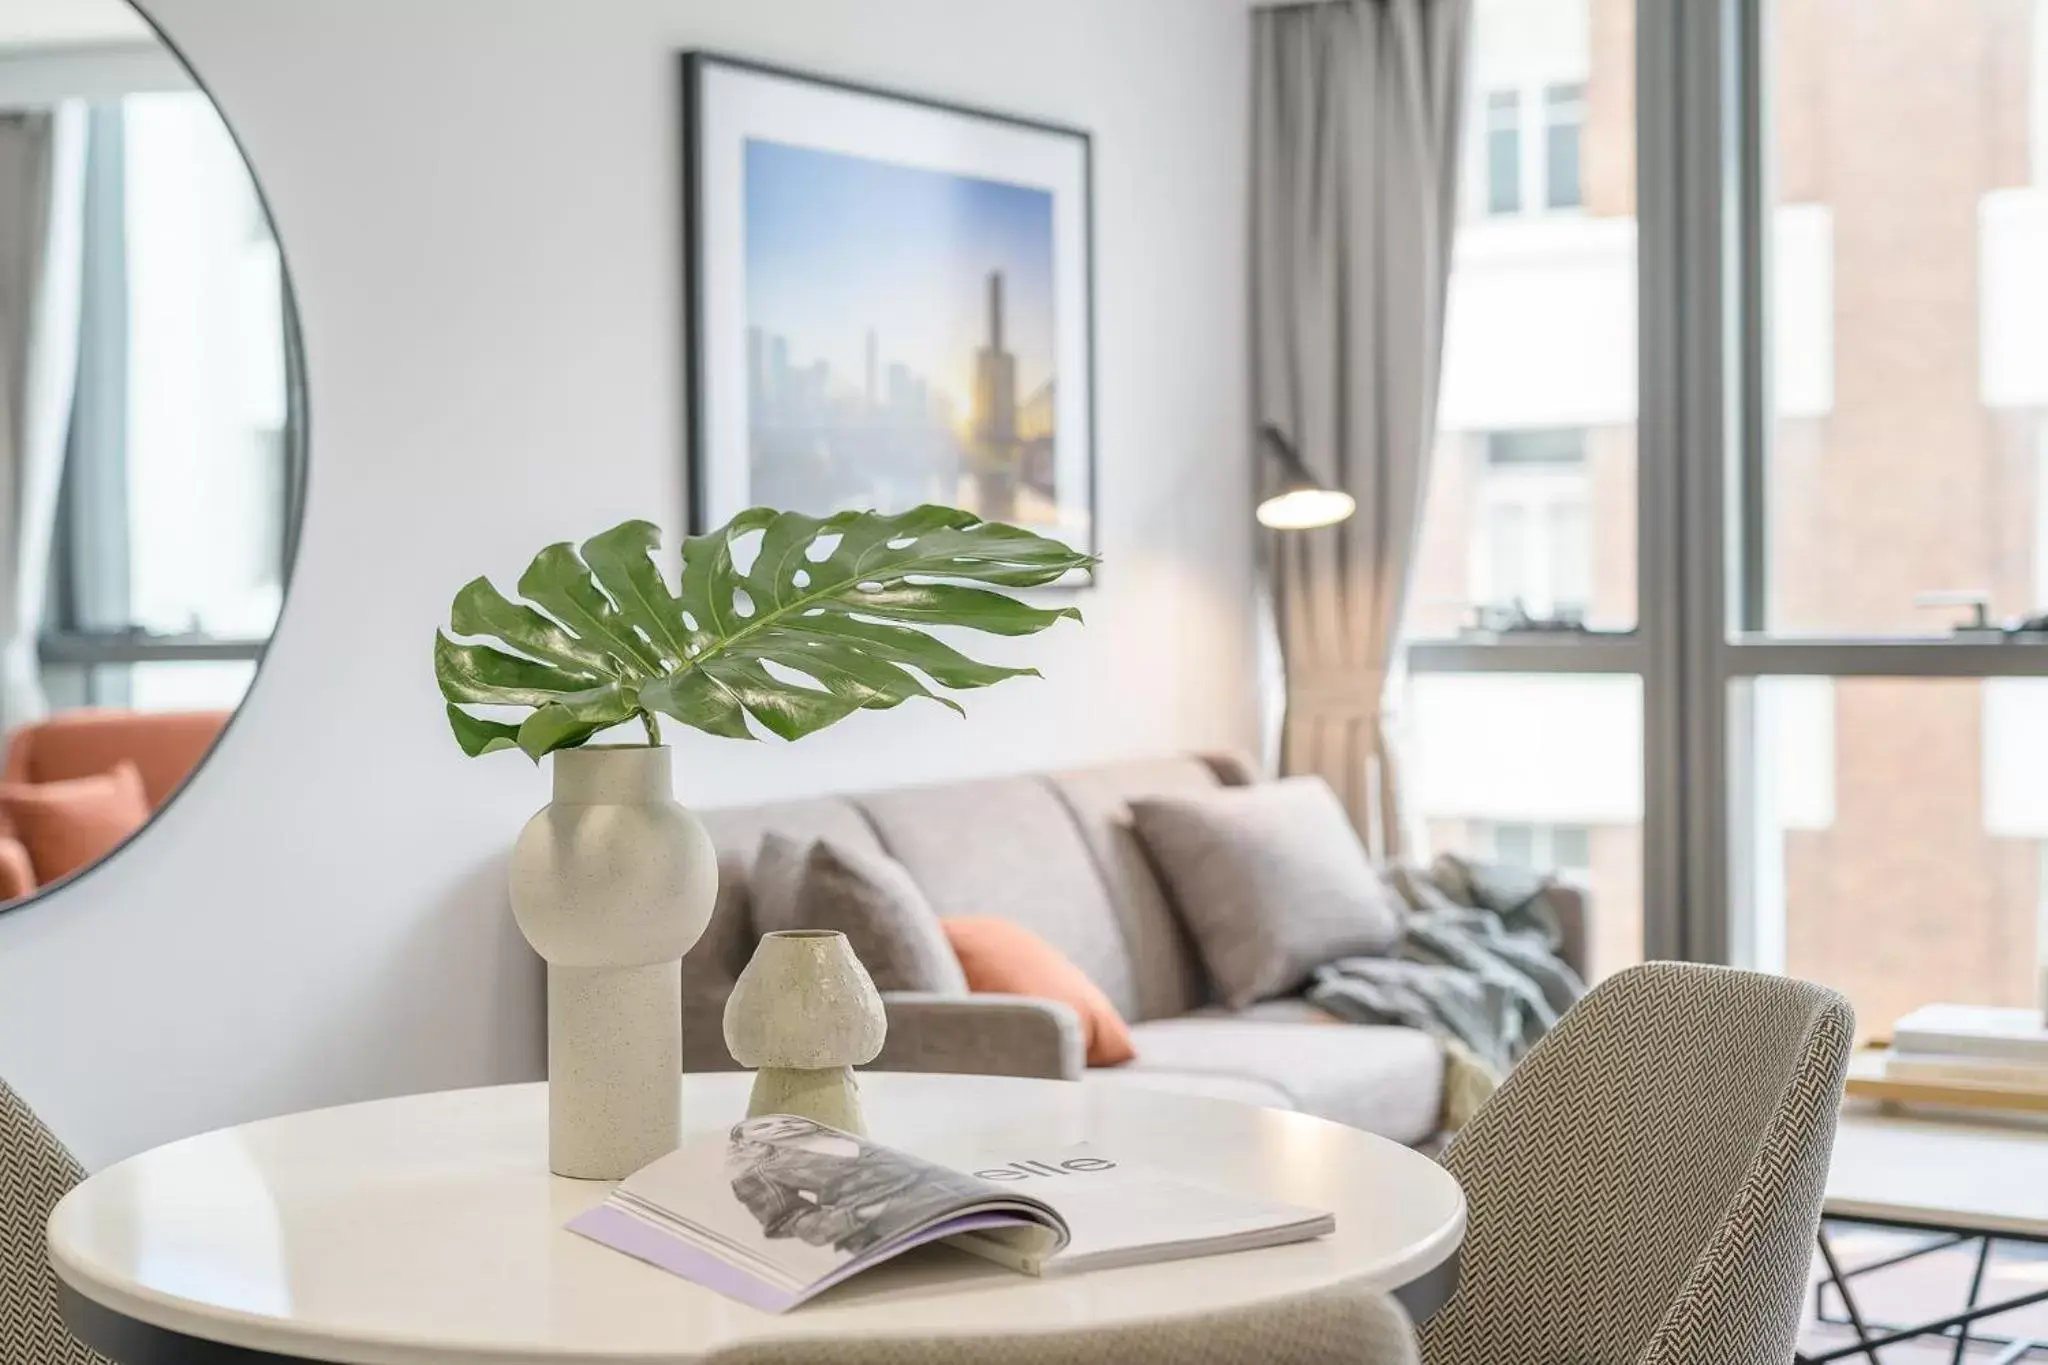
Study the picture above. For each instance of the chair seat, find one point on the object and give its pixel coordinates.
(1385, 1080)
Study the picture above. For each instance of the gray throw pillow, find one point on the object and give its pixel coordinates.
(1271, 881)
(867, 896)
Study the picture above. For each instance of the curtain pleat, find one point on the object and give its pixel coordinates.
(1355, 138)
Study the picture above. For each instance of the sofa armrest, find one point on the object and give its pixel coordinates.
(17, 874)
(982, 1035)
(1573, 909)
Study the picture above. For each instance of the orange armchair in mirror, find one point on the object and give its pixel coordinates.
(75, 786)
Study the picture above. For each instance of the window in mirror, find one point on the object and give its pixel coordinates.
(157, 457)
(175, 494)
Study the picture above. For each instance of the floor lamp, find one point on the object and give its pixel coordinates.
(1298, 502)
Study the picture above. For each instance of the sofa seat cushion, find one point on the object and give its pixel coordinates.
(1287, 1009)
(1385, 1080)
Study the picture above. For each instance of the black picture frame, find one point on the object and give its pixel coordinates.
(703, 512)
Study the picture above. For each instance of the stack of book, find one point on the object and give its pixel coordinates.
(1971, 1055)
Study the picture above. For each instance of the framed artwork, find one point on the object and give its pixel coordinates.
(889, 303)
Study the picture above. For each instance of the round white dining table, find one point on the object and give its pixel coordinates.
(428, 1229)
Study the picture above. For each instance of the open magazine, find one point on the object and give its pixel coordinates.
(781, 1208)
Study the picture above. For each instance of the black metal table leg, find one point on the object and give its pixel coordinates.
(1827, 1253)
(1873, 1334)
(1976, 1288)
(1866, 1345)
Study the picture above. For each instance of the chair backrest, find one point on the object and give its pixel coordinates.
(1346, 1323)
(1645, 1186)
(35, 1172)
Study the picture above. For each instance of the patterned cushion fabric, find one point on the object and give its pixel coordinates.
(1645, 1185)
(822, 884)
(1001, 958)
(70, 824)
(35, 1172)
(1385, 1080)
(1271, 881)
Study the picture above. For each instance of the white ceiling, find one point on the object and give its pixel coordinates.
(69, 23)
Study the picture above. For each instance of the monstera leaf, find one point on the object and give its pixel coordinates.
(829, 618)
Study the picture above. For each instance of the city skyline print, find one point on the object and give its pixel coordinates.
(889, 305)
(899, 337)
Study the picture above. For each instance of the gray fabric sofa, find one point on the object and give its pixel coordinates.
(1055, 852)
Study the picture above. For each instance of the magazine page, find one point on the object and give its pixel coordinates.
(1120, 1212)
(779, 1208)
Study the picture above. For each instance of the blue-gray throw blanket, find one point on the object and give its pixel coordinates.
(1477, 963)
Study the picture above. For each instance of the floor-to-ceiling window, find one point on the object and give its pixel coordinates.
(1530, 533)
(1739, 491)
(1888, 757)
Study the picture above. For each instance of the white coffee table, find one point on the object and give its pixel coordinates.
(427, 1229)
(1959, 1176)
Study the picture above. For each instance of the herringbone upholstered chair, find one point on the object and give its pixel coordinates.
(1334, 1326)
(1644, 1188)
(35, 1172)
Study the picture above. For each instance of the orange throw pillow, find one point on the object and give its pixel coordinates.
(1001, 958)
(72, 824)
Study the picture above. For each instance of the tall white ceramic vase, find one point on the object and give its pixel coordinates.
(612, 882)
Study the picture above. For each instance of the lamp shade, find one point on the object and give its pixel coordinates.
(1298, 501)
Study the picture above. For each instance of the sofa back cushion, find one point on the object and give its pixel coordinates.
(1168, 971)
(1002, 958)
(715, 963)
(164, 746)
(866, 895)
(72, 823)
(1009, 848)
(1055, 853)
(1272, 882)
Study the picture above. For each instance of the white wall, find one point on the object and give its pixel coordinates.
(479, 201)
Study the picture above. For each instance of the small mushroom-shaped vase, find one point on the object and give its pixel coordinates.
(803, 1014)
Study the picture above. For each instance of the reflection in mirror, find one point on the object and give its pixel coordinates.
(150, 433)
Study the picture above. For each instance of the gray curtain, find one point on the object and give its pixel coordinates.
(1354, 163)
(42, 185)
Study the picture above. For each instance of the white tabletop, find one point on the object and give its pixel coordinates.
(428, 1228)
(1967, 1173)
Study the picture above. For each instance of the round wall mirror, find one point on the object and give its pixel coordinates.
(151, 433)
